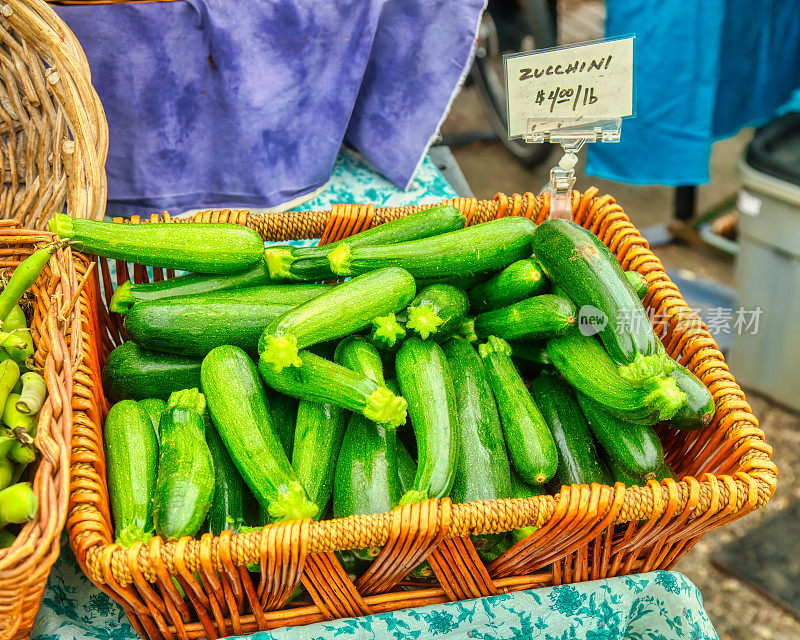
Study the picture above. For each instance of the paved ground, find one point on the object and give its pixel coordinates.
(738, 612)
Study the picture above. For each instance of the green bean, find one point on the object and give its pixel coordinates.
(18, 503)
(34, 390)
(7, 469)
(6, 539)
(26, 273)
(20, 423)
(9, 376)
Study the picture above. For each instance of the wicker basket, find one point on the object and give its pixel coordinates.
(584, 532)
(53, 129)
(25, 566)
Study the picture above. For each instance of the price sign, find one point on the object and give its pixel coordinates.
(564, 87)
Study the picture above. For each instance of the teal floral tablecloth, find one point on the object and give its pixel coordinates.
(653, 606)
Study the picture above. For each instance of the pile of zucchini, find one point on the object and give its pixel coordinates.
(22, 394)
(486, 362)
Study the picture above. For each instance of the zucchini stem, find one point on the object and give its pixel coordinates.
(644, 367)
(339, 260)
(413, 496)
(279, 262)
(292, 505)
(122, 300)
(384, 407)
(281, 352)
(387, 330)
(132, 534)
(424, 320)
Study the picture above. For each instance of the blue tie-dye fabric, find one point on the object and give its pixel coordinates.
(219, 103)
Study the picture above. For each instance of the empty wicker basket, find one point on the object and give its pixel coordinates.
(584, 532)
(53, 132)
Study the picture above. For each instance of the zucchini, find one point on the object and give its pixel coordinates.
(482, 468)
(406, 468)
(536, 318)
(131, 466)
(359, 355)
(664, 472)
(320, 380)
(521, 489)
(488, 246)
(698, 410)
(197, 247)
(347, 308)
(133, 372)
(311, 263)
(127, 294)
(638, 282)
(463, 281)
(185, 481)
(194, 325)
(519, 280)
(437, 310)
(387, 333)
(577, 457)
(535, 352)
(530, 444)
(317, 440)
(284, 414)
(238, 406)
(620, 475)
(634, 448)
(583, 361)
(153, 407)
(423, 375)
(466, 330)
(227, 506)
(367, 478)
(577, 262)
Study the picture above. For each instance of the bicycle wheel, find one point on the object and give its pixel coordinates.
(509, 26)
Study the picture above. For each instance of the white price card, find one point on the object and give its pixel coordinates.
(563, 87)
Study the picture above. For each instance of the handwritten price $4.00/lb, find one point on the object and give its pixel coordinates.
(578, 96)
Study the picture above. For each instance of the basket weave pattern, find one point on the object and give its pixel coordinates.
(53, 132)
(24, 567)
(584, 532)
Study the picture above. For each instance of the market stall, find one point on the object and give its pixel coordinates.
(383, 411)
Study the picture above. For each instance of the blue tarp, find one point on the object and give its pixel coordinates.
(703, 70)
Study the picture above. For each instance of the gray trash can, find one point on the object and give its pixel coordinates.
(765, 353)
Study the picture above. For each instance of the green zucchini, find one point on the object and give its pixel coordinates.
(154, 407)
(387, 333)
(367, 476)
(483, 471)
(437, 310)
(320, 380)
(317, 440)
(343, 310)
(519, 280)
(634, 448)
(131, 465)
(127, 294)
(284, 414)
(193, 326)
(359, 355)
(185, 481)
(536, 318)
(530, 444)
(239, 408)
(621, 475)
(535, 352)
(577, 457)
(583, 361)
(466, 330)
(311, 263)
(487, 246)
(423, 375)
(464, 281)
(577, 262)
(638, 282)
(698, 410)
(196, 247)
(227, 506)
(521, 489)
(406, 468)
(482, 468)
(664, 472)
(133, 372)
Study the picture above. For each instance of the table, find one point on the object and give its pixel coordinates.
(654, 606)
